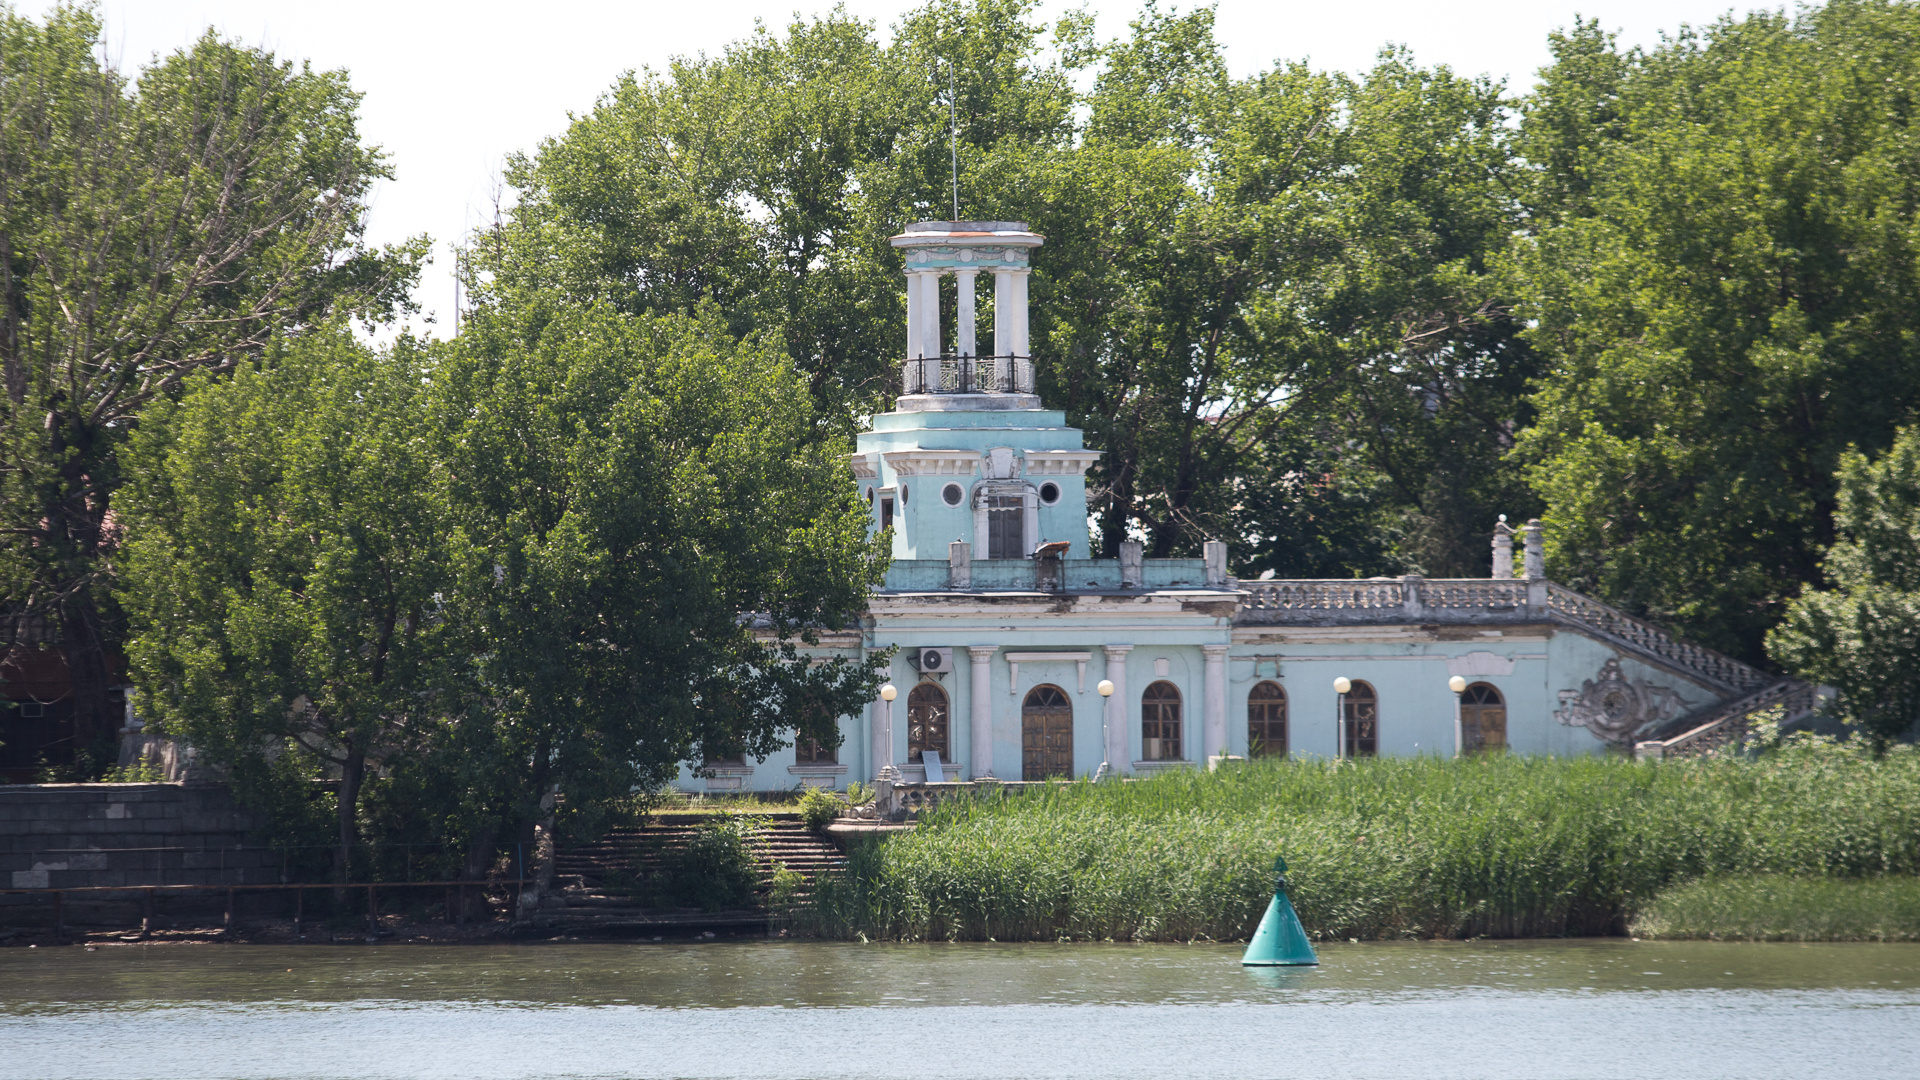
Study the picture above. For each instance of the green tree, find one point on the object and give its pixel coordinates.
(625, 490)
(1239, 274)
(1722, 274)
(1862, 635)
(149, 229)
(286, 569)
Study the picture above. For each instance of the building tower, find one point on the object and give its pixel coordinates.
(968, 453)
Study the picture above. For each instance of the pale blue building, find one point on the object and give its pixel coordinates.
(1008, 632)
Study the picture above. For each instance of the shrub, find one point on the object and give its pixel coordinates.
(818, 808)
(716, 870)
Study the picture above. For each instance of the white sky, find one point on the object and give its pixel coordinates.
(452, 87)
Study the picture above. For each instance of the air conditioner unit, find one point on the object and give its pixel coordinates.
(931, 661)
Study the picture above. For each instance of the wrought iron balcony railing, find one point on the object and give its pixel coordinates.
(967, 375)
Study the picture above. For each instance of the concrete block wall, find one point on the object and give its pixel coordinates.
(67, 836)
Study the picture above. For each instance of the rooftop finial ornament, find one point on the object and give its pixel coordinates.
(1281, 941)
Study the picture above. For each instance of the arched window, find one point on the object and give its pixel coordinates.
(1267, 720)
(1046, 734)
(1483, 719)
(927, 722)
(1362, 721)
(1160, 722)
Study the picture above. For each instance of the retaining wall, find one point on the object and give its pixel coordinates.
(70, 836)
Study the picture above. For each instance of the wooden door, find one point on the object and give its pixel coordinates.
(1046, 734)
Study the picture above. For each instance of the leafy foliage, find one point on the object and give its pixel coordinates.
(150, 229)
(1248, 285)
(1722, 276)
(1862, 635)
(623, 490)
(286, 566)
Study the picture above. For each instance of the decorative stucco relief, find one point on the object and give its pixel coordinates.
(1612, 707)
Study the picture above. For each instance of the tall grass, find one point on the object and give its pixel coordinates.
(1776, 907)
(1496, 846)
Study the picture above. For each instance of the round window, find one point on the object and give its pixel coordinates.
(869, 496)
(1049, 493)
(952, 494)
(903, 494)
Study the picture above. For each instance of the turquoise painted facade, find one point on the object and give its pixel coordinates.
(984, 490)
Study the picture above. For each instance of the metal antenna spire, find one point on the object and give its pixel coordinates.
(953, 119)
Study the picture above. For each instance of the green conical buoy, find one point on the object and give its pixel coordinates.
(1281, 941)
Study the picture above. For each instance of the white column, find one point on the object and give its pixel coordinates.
(1117, 734)
(968, 319)
(1022, 368)
(980, 706)
(1214, 708)
(1003, 305)
(914, 315)
(930, 314)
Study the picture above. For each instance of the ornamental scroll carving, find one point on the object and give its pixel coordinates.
(1612, 707)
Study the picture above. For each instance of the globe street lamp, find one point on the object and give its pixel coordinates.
(887, 693)
(1340, 687)
(1106, 719)
(1459, 687)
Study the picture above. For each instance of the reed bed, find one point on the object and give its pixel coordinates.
(1498, 846)
(1776, 907)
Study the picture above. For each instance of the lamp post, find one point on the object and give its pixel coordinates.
(887, 693)
(1340, 687)
(1459, 687)
(1106, 719)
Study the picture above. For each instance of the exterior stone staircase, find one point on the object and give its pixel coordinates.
(1788, 702)
(589, 879)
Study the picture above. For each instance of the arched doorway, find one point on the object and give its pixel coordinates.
(1160, 722)
(1046, 734)
(1267, 720)
(1362, 723)
(1483, 719)
(927, 723)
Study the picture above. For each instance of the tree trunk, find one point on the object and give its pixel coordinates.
(94, 722)
(352, 771)
(479, 861)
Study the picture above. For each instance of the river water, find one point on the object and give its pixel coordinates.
(1585, 1009)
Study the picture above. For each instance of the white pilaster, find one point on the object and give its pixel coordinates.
(1117, 734)
(980, 706)
(1214, 708)
(968, 319)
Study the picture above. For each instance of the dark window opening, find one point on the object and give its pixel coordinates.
(1160, 722)
(927, 722)
(1006, 527)
(1361, 726)
(1483, 720)
(886, 514)
(1267, 721)
(811, 751)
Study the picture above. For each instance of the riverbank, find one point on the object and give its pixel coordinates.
(1381, 849)
(1774, 907)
